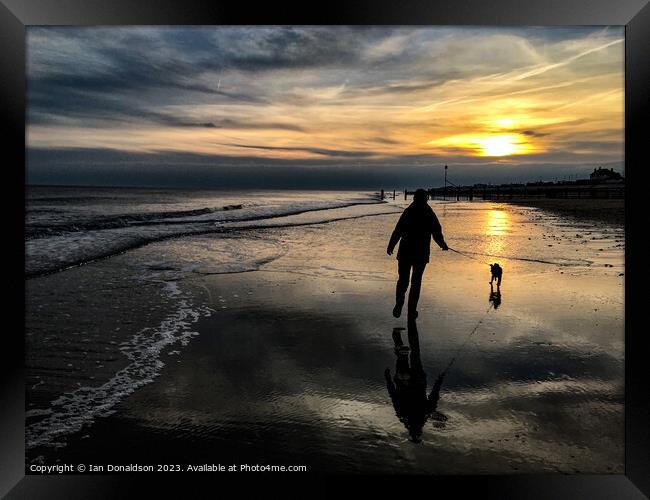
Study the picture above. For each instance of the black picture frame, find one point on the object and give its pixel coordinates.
(15, 15)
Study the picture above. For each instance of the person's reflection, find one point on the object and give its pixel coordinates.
(495, 296)
(408, 388)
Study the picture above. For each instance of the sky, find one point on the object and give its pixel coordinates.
(322, 107)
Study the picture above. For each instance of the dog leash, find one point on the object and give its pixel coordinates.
(480, 321)
(460, 349)
(468, 256)
(524, 259)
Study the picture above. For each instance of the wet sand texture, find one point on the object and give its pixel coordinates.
(272, 348)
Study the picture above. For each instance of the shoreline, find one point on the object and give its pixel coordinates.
(609, 211)
(289, 366)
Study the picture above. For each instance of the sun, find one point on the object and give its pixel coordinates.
(502, 145)
(488, 144)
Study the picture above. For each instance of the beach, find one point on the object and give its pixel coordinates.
(611, 211)
(267, 339)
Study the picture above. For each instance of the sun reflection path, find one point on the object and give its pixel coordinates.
(497, 226)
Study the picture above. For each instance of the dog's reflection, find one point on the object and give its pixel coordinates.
(408, 387)
(495, 296)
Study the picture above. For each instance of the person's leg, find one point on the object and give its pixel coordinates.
(416, 284)
(404, 269)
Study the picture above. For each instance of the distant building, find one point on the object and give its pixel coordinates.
(605, 174)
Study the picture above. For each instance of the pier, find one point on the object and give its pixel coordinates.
(524, 191)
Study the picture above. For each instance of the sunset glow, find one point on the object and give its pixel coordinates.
(497, 227)
(488, 144)
(332, 95)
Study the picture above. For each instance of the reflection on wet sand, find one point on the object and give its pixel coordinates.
(495, 296)
(408, 387)
(497, 226)
(289, 367)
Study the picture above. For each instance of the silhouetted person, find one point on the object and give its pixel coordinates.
(408, 389)
(495, 297)
(417, 224)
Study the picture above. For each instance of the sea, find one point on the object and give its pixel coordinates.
(69, 226)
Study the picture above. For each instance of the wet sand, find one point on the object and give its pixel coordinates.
(287, 364)
(608, 211)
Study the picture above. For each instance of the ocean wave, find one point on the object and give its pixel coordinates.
(38, 230)
(71, 411)
(61, 246)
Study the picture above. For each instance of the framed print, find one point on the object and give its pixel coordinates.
(370, 241)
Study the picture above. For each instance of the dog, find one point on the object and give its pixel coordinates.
(497, 273)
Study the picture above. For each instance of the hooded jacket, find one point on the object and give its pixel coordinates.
(415, 228)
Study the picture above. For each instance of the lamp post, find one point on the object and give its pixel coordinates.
(445, 191)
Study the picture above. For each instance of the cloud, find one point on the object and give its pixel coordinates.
(111, 167)
(326, 93)
(533, 133)
(319, 151)
(548, 67)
